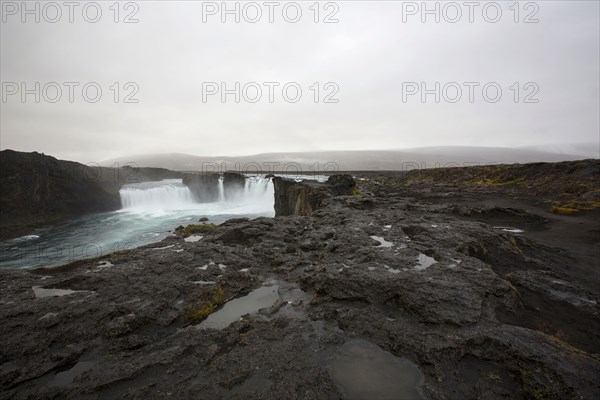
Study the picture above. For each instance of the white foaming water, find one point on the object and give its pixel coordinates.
(221, 190)
(150, 212)
(259, 191)
(169, 194)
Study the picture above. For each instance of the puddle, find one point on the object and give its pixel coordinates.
(66, 377)
(424, 261)
(382, 241)
(509, 229)
(27, 237)
(101, 265)
(105, 264)
(41, 292)
(264, 296)
(362, 370)
(193, 238)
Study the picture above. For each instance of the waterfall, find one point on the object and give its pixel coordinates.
(259, 191)
(221, 189)
(257, 196)
(169, 194)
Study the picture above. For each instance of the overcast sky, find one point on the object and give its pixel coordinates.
(370, 56)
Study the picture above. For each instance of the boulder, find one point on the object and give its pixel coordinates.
(205, 186)
(233, 184)
(304, 198)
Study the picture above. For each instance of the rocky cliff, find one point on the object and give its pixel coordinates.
(205, 186)
(304, 198)
(233, 184)
(39, 189)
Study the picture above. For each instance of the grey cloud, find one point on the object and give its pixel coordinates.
(369, 53)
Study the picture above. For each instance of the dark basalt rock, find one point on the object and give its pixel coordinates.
(498, 315)
(233, 184)
(205, 186)
(38, 189)
(341, 184)
(304, 198)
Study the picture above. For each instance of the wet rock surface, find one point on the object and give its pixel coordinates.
(499, 314)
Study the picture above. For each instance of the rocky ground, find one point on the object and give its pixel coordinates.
(437, 291)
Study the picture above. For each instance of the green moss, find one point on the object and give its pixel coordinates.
(200, 313)
(558, 336)
(355, 191)
(219, 295)
(583, 205)
(204, 309)
(510, 285)
(494, 377)
(538, 394)
(495, 181)
(564, 210)
(515, 242)
(573, 206)
(476, 250)
(194, 229)
(321, 256)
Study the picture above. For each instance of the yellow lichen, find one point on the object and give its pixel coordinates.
(564, 210)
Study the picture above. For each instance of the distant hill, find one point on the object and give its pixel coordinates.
(406, 159)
